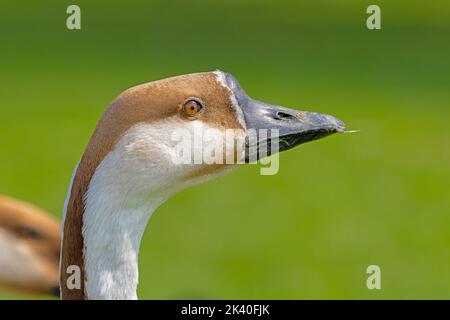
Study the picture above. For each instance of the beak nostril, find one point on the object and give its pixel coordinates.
(284, 116)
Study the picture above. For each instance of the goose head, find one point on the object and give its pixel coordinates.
(149, 144)
(29, 245)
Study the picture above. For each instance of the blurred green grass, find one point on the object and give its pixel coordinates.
(381, 196)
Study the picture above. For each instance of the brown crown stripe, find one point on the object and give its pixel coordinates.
(145, 103)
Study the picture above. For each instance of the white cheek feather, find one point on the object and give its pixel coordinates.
(234, 103)
(127, 187)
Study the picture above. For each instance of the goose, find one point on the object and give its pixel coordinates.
(29, 246)
(128, 169)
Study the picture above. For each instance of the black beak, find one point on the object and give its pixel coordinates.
(290, 127)
(287, 127)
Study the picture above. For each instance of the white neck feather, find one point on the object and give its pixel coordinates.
(112, 238)
(122, 195)
(126, 188)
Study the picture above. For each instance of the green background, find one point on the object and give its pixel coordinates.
(381, 196)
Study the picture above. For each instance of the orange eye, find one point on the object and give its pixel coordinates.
(192, 107)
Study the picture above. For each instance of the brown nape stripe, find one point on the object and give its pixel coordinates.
(73, 243)
(145, 103)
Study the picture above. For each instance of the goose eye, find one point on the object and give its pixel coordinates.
(192, 107)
